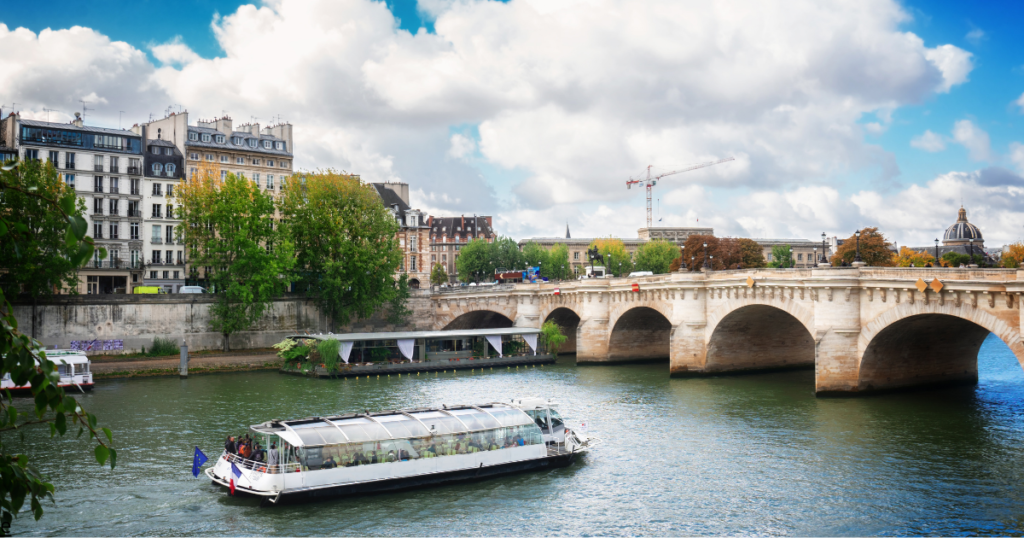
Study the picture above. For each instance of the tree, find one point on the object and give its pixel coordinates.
(956, 259)
(39, 259)
(346, 247)
(751, 253)
(551, 336)
(694, 251)
(907, 258)
(438, 275)
(24, 359)
(656, 256)
(535, 255)
(677, 264)
(1013, 256)
(507, 255)
(874, 249)
(229, 227)
(557, 267)
(475, 261)
(782, 256)
(616, 259)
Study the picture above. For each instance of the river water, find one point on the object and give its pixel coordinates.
(752, 454)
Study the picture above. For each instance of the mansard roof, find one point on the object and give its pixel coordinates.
(229, 145)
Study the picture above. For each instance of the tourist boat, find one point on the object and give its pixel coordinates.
(363, 453)
(73, 367)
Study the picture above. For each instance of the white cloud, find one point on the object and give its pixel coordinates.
(1017, 155)
(1020, 102)
(928, 141)
(174, 52)
(955, 64)
(975, 36)
(462, 146)
(575, 96)
(974, 139)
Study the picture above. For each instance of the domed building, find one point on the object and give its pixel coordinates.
(962, 232)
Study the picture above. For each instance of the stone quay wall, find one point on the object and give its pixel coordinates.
(136, 320)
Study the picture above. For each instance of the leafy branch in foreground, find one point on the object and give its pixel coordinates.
(24, 359)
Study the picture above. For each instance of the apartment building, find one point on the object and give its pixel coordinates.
(449, 234)
(104, 166)
(165, 251)
(413, 233)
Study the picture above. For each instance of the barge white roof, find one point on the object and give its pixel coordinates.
(418, 335)
(388, 425)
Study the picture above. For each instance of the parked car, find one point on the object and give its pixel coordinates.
(641, 273)
(147, 289)
(191, 289)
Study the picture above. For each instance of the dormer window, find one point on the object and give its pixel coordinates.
(279, 145)
(252, 142)
(193, 136)
(266, 144)
(237, 140)
(168, 151)
(157, 168)
(155, 150)
(206, 137)
(169, 167)
(221, 139)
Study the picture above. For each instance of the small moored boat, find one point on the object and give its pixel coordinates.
(72, 366)
(372, 452)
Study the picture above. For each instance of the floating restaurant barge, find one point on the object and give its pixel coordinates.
(362, 354)
(362, 453)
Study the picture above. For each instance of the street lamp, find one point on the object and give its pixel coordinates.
(682, 257)
(815, 256)
(712, 262)
(824, 252)
(791, 257)
(857, 257)
(705, 254)
(561, 274)
(936, 252)
(971, 242)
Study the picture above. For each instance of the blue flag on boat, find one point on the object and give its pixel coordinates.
(197, 461)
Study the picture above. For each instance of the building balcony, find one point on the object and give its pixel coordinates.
(97, 189)
(136, 192)
(97, 167)
(165, 263)
(135, 213)
(114, 190)
(134, 170)
(115, 263)
(157, 240)
(97, 212)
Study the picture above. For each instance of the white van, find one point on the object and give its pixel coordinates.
(191, 289)
(641, 273)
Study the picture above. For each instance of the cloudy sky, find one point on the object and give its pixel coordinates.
(839, 114)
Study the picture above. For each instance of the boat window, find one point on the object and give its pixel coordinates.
(308, 433)
(556, 419)
(510, 417)
(402, 426)
(440, 422)
(476, 420)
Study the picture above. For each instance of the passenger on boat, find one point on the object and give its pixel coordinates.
(273, 458)
(258, 454)
(229, 446)
(244, 450)
(329, 463)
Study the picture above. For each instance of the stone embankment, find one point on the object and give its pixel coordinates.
(108, 367)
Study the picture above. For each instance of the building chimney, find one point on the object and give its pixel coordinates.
(224, 126)
(78, 120)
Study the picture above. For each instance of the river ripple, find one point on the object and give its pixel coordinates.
(754, 454)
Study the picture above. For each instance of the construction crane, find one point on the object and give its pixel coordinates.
(653, 180)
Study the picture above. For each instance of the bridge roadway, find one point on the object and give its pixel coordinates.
(862, 329)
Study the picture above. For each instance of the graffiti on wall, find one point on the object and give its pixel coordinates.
(97, 345)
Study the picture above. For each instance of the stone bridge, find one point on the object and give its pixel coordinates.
(862, 329)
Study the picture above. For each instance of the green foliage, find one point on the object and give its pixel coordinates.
(164, 346)
(506, 255)
(438, 275)
(230, 229)
(782, 256)
(551, 337)
(750, 253)
(955, 259)
(479, 346)
(535, 255)
(616, 259)
(396, 311)
(875, 250)
(43, 248)
(476, 261)
(379, 354)
(558, 266)
(284, 348)
(656, 256)
(22, 357)
(345, 243)
(329, 352)
(296, 352)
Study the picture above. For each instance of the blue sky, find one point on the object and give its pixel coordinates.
(531, 111)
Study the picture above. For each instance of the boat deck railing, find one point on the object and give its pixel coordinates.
(261, 466)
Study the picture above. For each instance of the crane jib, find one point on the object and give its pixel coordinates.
(653, 180)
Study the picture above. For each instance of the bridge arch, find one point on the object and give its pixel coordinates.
(640, 333)
(479, 319)
(920, 344)
(759, 336)
(569, 321)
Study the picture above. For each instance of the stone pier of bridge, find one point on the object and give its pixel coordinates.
(861, 329)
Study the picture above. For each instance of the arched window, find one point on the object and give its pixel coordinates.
(170, 168)
(157, 167)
